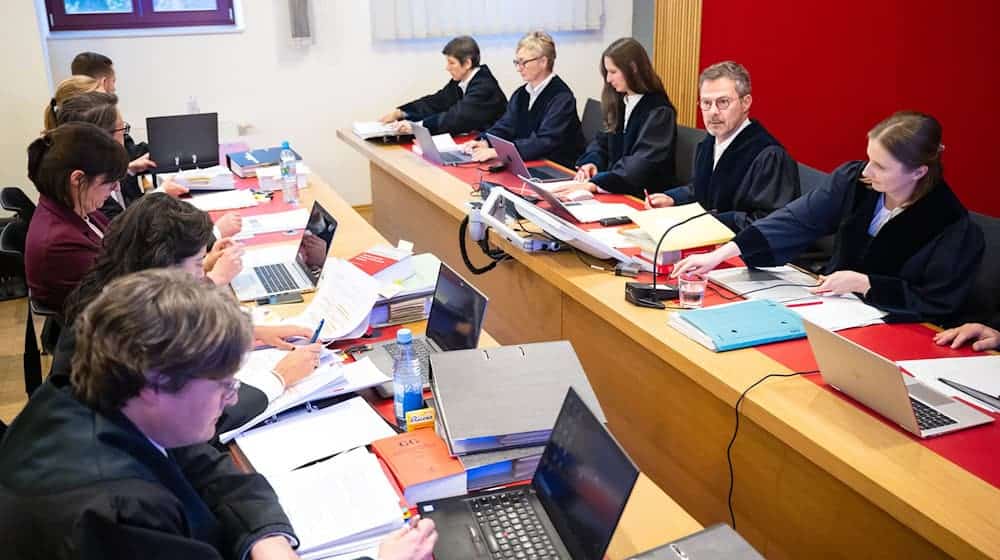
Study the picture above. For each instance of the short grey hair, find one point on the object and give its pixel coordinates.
(159, 327)
(728, 69)
(541, 43)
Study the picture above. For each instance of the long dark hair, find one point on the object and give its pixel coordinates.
(59, 152)
(633, 62)
(157, 231)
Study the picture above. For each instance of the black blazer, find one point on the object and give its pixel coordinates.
(449, 110)
(639, 156)
(549, 130)
(921, 264)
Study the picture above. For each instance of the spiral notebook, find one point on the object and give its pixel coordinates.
(739, 325)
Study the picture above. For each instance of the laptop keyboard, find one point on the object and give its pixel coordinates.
(449, 157)
(275, 278)
(929, 418)
(512, 528)
(422, 352)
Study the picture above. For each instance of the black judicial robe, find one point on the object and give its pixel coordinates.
(639, 156)
(75, 483)
(921, 264)
(754, 177)
(449, 110)
(549, 130)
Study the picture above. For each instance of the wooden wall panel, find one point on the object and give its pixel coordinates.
(676, 52)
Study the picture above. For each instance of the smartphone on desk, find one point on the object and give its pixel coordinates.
(278, 299)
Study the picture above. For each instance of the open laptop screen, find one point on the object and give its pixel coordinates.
(583, 480)
(457, 312)
(316, 241)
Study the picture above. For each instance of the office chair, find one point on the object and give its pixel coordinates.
(592, 120)
(687, 144)
(983, 302)
(819, 253)
(14, 200)
(12, 245)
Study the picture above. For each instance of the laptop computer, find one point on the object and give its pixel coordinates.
(431, 152)
(582, 212)
(879, 384)
(179, 142)
(508, 154)
(454, 323)
(718, 542)
(569, 511)
(269, 271)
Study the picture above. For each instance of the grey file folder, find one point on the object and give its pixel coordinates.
(718, 542)
(506, 397)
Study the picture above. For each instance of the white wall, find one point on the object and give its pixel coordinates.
(23, 93)
(305, 94)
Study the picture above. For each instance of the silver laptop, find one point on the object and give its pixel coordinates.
(431, 152)
(454, 323)
(508, 154)
(262, 277)
(879, 384)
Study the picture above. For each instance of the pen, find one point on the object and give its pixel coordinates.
(803, 304)
(645, 193)
(980, 396)
(318, 328)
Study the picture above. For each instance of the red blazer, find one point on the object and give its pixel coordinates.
(60, 248)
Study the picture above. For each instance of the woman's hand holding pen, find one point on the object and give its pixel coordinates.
(842, 282)
(657, 200)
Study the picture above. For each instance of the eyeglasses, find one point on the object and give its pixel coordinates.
(230, 386)
(722, 103)
(126, 128)
(523, 63)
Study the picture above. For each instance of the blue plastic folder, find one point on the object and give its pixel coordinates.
(739, 325)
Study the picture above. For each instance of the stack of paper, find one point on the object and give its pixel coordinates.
(225, 200)
(275, 221)
(699, 232)
(373, 129)
(443, 142)
(215, 178)
(310, 435)
(343, 300)
(339, 506)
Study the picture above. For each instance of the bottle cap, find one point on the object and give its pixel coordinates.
(284, 144)
(404, 336)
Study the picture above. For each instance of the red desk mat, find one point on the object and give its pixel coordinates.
(276, 204)
(973, 449)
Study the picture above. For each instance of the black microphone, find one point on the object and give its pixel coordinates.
(647, 295)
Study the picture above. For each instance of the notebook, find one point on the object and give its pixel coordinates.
(738, 325)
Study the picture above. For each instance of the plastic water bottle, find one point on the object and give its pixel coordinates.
(407, 383)
(289, 176)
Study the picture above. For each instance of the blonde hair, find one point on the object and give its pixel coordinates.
(70, 87)
(541, 43)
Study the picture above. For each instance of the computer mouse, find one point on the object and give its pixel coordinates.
(579, 195)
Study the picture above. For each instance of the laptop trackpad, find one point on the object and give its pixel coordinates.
(455, 526)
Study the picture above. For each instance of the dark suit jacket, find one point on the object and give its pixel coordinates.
(75, 483)
(639, 156)
(921, 264)
(449, 110)
(549, 130)
(60, 248)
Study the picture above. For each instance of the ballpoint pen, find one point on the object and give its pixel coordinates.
(318, 329)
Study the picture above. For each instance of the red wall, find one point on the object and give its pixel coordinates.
(824, 73)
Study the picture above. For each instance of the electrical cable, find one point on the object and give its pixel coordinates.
(496, 255)
(736, 430)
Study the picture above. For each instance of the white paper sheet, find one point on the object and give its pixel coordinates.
(344, 504)
(343, 300)
(257, 369)
(306, 436)
(225, 200)
(978, 372)
(290, 220)
(592, 210)
(839, 312)
(612, 237)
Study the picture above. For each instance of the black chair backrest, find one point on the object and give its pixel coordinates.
(810, 178)
(14, 200)
(592, 119)
(687, 144)
(983, 302)
(12, 238)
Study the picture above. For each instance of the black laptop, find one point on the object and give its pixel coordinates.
(570, 510)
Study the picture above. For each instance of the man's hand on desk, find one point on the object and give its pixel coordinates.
(564, 191)
(276, 335)
(981, 336)
(403, 127)
(229, 224)
(412, 542)
(483, 154)
(275, 547)
(843, 282)
(298, 364)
